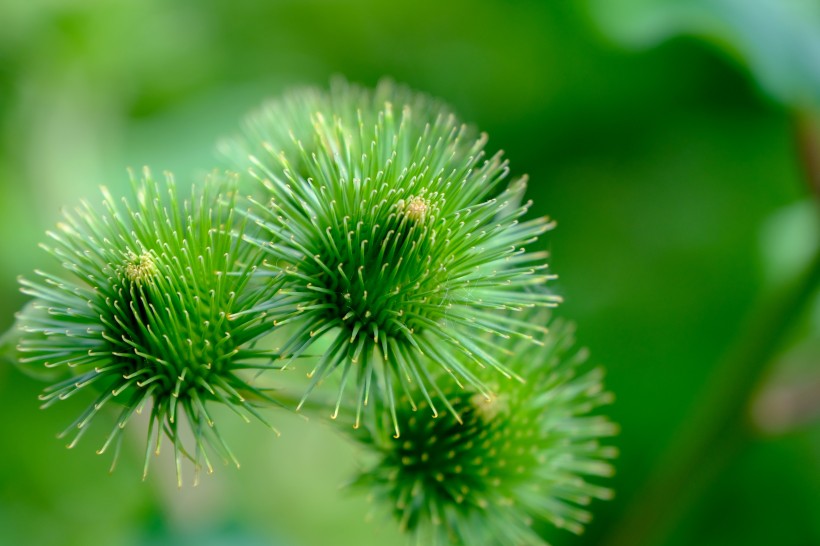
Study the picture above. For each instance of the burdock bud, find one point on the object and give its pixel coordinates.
(519, 461)
(393, 237)
(148, 313)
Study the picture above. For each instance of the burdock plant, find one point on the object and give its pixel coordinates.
(385, 248)
(393, 237)
(513, 463)
(148, 311)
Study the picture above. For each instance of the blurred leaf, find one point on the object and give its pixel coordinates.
(778, 40)
(788, 240)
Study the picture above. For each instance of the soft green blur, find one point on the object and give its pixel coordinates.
(660, 134)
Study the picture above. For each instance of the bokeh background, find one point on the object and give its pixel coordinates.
(664, 137)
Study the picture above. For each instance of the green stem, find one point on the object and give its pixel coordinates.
(720, 424)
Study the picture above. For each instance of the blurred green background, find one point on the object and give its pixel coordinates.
(662, 135)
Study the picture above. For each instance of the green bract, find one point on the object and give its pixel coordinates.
(148, 311)
(515, 461)
(390, 231)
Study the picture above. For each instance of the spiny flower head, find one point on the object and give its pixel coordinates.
(390, 232)
(141, 268)
(149, 310)
(517, 460)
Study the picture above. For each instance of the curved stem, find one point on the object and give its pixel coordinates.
(719, 426)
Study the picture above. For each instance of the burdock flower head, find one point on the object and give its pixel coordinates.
(516, 462)
(148, 313)
(393, 237)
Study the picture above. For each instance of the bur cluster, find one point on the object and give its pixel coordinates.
(383, 251)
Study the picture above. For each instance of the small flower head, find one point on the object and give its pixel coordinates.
(140, 269)
(391, 233)
(150, 311)
(516, 460)
(415, 208)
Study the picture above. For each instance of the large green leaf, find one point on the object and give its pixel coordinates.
(778, 40)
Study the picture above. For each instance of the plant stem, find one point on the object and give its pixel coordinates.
(720, 425)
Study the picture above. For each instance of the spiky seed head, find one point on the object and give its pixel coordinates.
(515, 461)
(391, 232)
(151, 310)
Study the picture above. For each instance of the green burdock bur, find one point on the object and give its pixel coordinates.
(148, 308)
(391, 232)
(528, 455)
